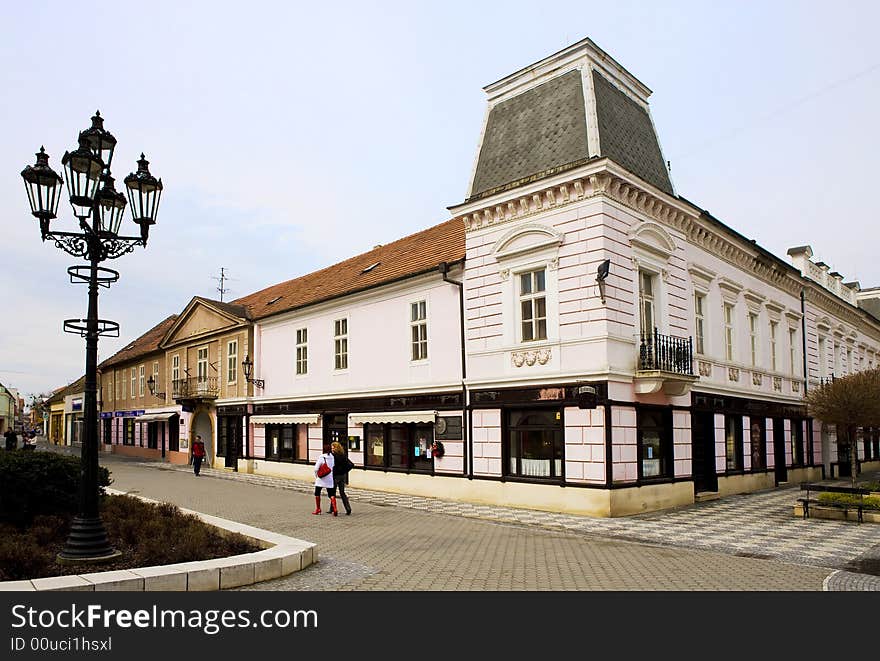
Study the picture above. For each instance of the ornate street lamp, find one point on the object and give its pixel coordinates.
(99, 209)
(248, 366)
(152, 385)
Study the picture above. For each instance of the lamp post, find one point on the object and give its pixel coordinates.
(98, 208)
(248, 366)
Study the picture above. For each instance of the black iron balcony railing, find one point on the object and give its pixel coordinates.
(666, 353)
(825, 380)
(196, 387)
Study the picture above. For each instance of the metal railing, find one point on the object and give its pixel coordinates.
(196, 387)
(666, 353)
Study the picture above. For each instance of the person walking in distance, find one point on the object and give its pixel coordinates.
(341, 466)
(198, 454)
(324, 480)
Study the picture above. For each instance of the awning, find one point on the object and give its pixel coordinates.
(154, 417)
(303, 419)
(393, 416)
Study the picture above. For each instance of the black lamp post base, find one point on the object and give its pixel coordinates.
(87, 542)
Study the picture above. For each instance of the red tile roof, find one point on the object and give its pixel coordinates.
(146, 343)
(418, 253)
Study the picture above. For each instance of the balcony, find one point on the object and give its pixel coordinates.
(666, 363)
(196, 387)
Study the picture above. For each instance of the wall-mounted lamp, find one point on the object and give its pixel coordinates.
(601, 274)
(248, 366)
(151, 384)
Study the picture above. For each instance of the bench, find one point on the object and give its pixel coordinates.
(832, 488)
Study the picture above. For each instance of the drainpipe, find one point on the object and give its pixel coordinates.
(804, 336)
(444, 271)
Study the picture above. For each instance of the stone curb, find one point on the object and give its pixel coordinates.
(281, 556)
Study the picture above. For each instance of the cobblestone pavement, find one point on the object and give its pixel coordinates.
(400, 542)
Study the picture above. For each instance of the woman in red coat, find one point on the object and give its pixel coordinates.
(198, 454)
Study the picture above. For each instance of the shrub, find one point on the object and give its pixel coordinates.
(870, 486)
(868, 502)
(35, 483)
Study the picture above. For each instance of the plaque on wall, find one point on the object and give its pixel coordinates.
(448, 428)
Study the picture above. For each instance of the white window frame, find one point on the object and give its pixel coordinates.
(532, 298)
(156, 374)
(792, 343)
(418, 324)
(202, 362)
(302, 351)
(774, 326)
(175, 368)
(133, 391)
(754, 337)
(142, 379)
(340, 344)
(645, 300)
(700, 323)
(728, 317)
(232, 362)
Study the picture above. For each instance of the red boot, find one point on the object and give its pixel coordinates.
(317, 505)
(333, 506)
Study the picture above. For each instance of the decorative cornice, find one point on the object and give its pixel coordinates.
(827, 302)
(673, 214)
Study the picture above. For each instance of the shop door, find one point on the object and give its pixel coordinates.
(233, 440)
(844, 460)
(336, 428)
(703, 448)
(779, 450)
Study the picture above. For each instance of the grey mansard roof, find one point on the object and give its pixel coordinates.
(543, 131)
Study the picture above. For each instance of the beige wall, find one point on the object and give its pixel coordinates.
(120, 375)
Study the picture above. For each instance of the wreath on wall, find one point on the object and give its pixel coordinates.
(437, 449)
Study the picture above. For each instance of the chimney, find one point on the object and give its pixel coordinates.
(800, 257)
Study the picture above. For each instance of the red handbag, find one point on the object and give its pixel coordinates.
(324, 470)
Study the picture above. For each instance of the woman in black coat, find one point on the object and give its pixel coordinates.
(341, 466)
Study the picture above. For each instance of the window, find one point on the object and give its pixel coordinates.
(128, 431)
(758, 445)
(232, 361)
(175, 368)
(340, 341)
(797, 443)
(229, 436)
(753, 337)
(141, 379)
(286, 442)
(699, 300)
(535, 443)
(419, 329)
(202, 364)
(792, 344)
(406, 446)
(823, 359)
(156, 375)
(655, 443)
(133, 383)
(533, 305)
(119, 381)
(836, 359)
(646, 303)
(849, 361)
(733, 429)
(302, 351)
(728, 331)
(773, 327)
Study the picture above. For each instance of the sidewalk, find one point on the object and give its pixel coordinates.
(760, 525)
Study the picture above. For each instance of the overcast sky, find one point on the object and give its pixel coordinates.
(290, 136)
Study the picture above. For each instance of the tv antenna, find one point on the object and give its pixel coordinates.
(222, 281)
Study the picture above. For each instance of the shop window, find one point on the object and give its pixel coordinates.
(797, 443)
(534, 443)
(733, 429)
(404, 446)
(286, 442)
(655, 443)
(128, 431)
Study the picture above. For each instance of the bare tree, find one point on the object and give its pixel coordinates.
(848, 403)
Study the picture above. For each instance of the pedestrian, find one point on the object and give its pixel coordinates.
(12, 440)
(7, 436)
(325, 480)
(341, 467)
(198, 454)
